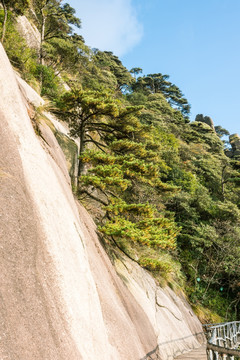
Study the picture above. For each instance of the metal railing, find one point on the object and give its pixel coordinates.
(223, 341)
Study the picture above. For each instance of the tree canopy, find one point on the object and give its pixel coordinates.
(158, 83)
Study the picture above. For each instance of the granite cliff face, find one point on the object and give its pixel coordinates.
(29, 32)
(61, 297)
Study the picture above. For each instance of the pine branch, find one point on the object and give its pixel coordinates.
(94, 197)
(96, 143)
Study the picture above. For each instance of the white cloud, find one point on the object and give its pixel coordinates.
(110, 25)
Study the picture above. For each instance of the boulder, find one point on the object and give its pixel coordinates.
(205, 119)
(234, 140)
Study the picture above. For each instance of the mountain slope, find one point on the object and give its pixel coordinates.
(61, 298)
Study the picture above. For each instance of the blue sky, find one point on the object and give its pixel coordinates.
(196, 42)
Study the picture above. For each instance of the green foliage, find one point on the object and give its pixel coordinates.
(135, 71)
(155, 265)
(153, 232)
(158, 83)
(199, 132)
(110, 63)
(221, 131)
(18, 6)
(51, 84)
(21, 56)
(79, 106)
(119, 176)
(183, 179)
(57, 18)
(65, 54)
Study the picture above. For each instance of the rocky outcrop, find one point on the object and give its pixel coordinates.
(235, 144)
(61, 297)
(205, 119)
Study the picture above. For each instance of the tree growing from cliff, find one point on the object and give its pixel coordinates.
(126, 161)
(89, 114)
(120, 178)
(54, 21)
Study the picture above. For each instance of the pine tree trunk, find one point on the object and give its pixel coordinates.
(4, 21)
(41, 46)
(223, 183)
(81, 150)
(223, 190)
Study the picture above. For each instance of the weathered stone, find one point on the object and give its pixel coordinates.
(234, 140)
(205, 119)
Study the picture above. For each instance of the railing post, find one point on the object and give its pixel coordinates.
(223, 341)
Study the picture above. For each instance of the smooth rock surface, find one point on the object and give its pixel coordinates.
(196, 354)
(29, 32)
(177, 328)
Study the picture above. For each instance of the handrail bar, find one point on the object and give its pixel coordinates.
(220, 324)
(223, 350)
